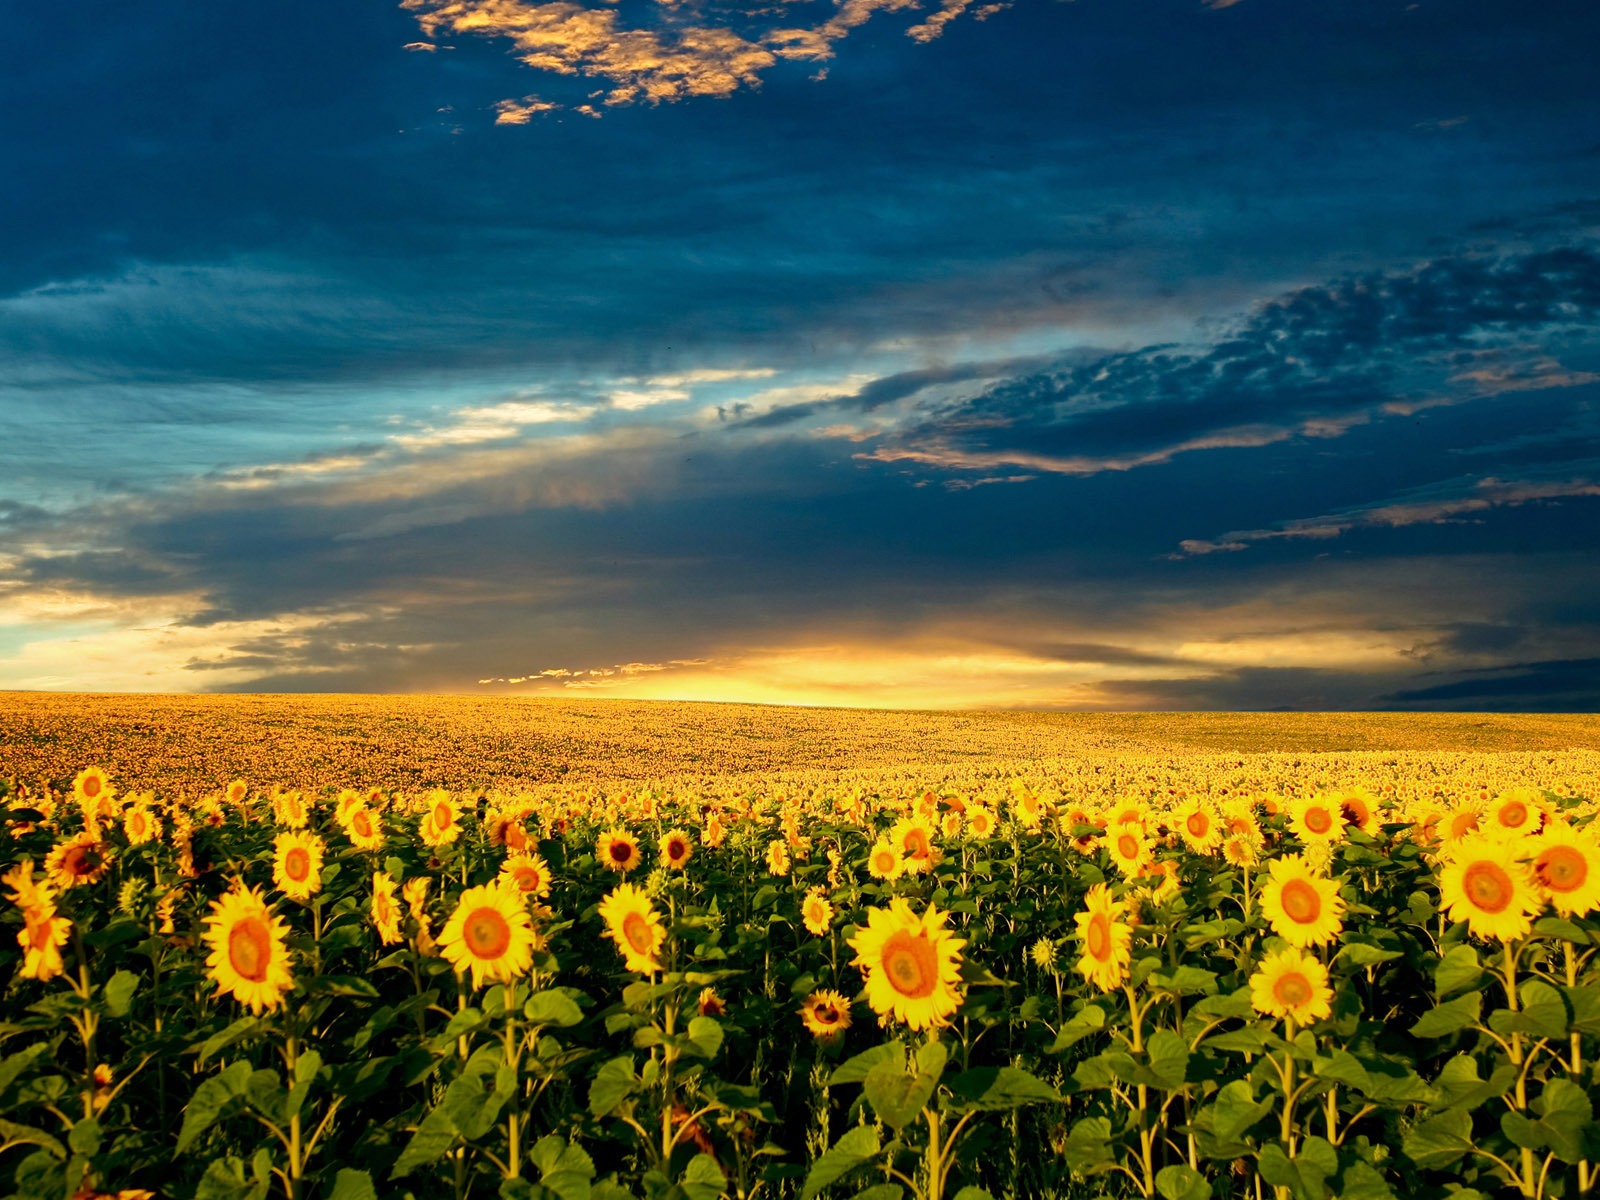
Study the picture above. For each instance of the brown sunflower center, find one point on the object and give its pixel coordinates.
(1291, 989)
(82, 860)
(825, 1013)
(911, 964)
(677, 850)
(527, 878)
(1098, 940)
(297, 864)
(1198, 824)
(1562, 869)
(486, 932)
(637, 930)
(91, 787)
(1128, 846)
(361, 823)
(1318, 820)
(250, 948)
(1301, 902)
(915, 844)
(1463, 823)
(1488, 886)
(1513, 814)
(621, 851)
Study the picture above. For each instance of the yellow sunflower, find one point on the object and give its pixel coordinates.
(1462, 821)
(1514, 813)
(442, 823)
(1293, 985)
(1107, 939)
(777, 857)
(289, 808)
(140, 825)
(884, 860)
(297, 864)
(25, 890)
(82, 858)
(1358, 809)
(980, 821)
(1129, 850)
(41, 938)
(363, 828)
(1241, 849)
(1303, 908)
(633, 923)
(1481, 883)
(816, 912)
(91, 786)
(714, 831)
(912, 964)
(249, 959)
(489, 934)
(1317, 819)
(709, 1003)
(914, 836)
(676, 849)
(826, 1014)
(385, 911)
(237, 791)
(1195, 821)
(415, 893)
(1043, 954)
(528, 874)
(618, 850)
(1566, 868)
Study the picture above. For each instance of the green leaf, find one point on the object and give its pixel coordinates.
(705, 1035)
(1584, 1001)
(1522, 1131)
(1450, 1017)
(897, 1095)
(1234, 1004)
(1460, 1086)
(565, 1169)
(434, 1136)
(119, 991)
(997, 1088)
(85, 1137)
(854, 1070)
(1088, 1020)
(1360, 954)
(552, 1007)
(1441, 1140)
(352, 1185)
(305, 1074)
(1169, 1058)
(613, 1084)
(1362, 1181)
(13, 1134)
(1106, 1068)
(225, 1180)
(1567, 1116)
(209, 1099)
(1088, 1147)
(15, 1064)
(1457, 971)
(243, 1028)
(1236, 1109)
(889, 1191)
(1185, 981)
(1182, 1182)
(858, 1146)
(1542, 1012)
(703, 1179)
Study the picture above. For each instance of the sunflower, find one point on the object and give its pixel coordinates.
(363, 828)
(884, 861)
(237, 791)
(1303, 908)
(1317, 819)
(1566, 868)
(289, 808)
(1107, 939)
(1461, 821)
(249, 959)
(1481, 883)
(951, 824)
(1293, 985)
(826, 1014)
(633, 923)
(25, 890)
(1043, 954)
(1240, 849)
(1514, 813)
(1195, 821)
(442, 824)
(297, 864)
(1129, 850)
(777, 857)
(912, 964)
(714, 831)
(709, 1003)
(1026, 806)
(1358, 809)
(914, 836)
(618, 849)
(82, 858)
(980, 821)
(42, 936)
(676, 849)
(91, 786)
(489, 934)
(816, 912)
(1166, 870)
(140, 825)
(415, 893)
(385, 912)
(526, 873)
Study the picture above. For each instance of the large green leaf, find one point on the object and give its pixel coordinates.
(553, 1007)
(996, 1088)
(564, 1168)
(1450, 1017)
(1439, 1141)
(613, 1084)
(209, 1100)
(1457, 971)
(856, 1147)
(1235, 1110)
(854, 1070)
(1169, 1058)
(1182, 1182)
(897, 1095)
(352, 1185)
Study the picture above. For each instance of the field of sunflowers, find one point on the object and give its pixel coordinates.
(1359, 976)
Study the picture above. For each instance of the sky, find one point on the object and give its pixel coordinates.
(1055, 354)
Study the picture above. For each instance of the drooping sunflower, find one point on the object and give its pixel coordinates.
(441, 825)
(415, 893)
(1195, 821)
(825, 1014)
(42, 935)
(363, 828)
(1566, 868)
(297, 864)
(1129, 850)
(918, 851)
(1358, 809)
(1482, 883)
(1293, 985)
(1106, 938)
(618, 850)
(82, 858)
(528, 874)
(912, 964)
(816, 912)
(1303, 908)
(710, 1004)
(385, 910)
(676, 849)
(1317, 819)
(249, 958)
(490, 934)
(140, 825)
(633, 923)
(884, 861)
(1514, 813)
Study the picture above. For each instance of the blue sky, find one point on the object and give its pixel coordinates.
(1078, 355)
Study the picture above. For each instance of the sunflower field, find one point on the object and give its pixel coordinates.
(1001, 983)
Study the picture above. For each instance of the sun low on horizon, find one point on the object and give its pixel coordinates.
(1081, 355)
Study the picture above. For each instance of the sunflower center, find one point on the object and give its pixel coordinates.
(1513, 813)
(1318, 820)
(39, 932)
(1301, 902)
(297, 864)
(825, 1013)
(1128, 846)
(1488, 886)
(82, 860)
(1099, 938)
(1291, 989)
(621, 851)
(250, 948)
(91, 787)
(486, 933)
(637, 930)
(442, 816)
(362, 824)
(1562, 869)
(916, 844)
(1198, 824)
(911, 964)
(527, 878)
(1463, 823)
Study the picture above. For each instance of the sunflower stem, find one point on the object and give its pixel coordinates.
(1524, 1179)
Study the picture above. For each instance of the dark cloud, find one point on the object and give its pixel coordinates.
(1556, 685)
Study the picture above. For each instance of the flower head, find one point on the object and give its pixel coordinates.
(249, 957)
(490, 934)
(633, 923)
(1293, 985)
(912, 964)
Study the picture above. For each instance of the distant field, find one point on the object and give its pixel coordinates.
(195, 743)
